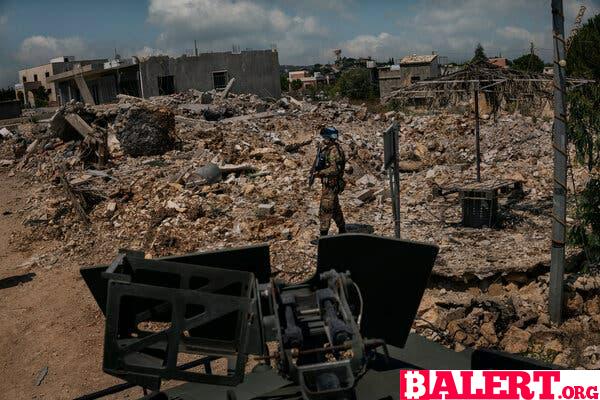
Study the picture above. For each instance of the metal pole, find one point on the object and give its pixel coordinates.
(396, 191)
(391, 164)
(477, 148)
(559, 142)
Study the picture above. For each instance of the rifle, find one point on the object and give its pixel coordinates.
(318, 164)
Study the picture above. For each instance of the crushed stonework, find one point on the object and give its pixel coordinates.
(196, 171)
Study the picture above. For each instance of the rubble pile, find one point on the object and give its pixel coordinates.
(62, 129)
(513, 317)
(241, 178)
(144, 130)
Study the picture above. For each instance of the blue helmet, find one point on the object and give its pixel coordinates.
(329, 133)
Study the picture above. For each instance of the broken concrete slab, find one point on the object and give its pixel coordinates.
(225, 91)
(84, 90)
(365, 195)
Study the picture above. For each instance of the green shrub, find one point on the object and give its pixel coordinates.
(356, 84)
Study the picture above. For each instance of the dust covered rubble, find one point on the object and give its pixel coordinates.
(241, 178)
(513, 317)
(266, 161)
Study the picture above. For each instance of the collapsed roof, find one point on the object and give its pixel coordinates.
(500, 85)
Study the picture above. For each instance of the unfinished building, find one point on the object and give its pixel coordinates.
(255, 71)
(411, 69)
(31, 79)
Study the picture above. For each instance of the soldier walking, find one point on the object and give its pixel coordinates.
(329, 166)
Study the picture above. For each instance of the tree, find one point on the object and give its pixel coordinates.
(356, 84)
(7, 94)
(479, 55)
(583, 60)
(529, 62)
(296, 84)
(285, 82)
(41, 96)
(584, 133)
(583, 57)
(584, 124)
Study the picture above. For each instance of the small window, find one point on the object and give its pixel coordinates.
(414, 79)
(220, 80)
(166, 85)
(24, 79)
(47, 74)
(35, 77)
(48, 91)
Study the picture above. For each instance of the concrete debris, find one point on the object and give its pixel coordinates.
(145, 130)
(197, 170)
(41, 376)
(365, 195)
(5, 133)
(367, 180)
(265, 210)
(410, 166)
(206, 175)
(227, 88)
(515, 340)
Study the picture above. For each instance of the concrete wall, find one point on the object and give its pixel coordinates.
(390, 80)
(254, 72)
(58, 68)
(51, 69)
(104, 85)
(103, 89)
(38, 74)
(423, 71)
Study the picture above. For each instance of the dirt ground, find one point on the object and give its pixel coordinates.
(47, 317)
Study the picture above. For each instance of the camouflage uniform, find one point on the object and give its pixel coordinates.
(332, 182)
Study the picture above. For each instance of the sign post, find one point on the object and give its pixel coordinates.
(390, 162)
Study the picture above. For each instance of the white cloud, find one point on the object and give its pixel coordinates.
(454, 27)
(222, 19)
(40, 49)
(148, 51)
(339, 8)
(218, 24)
(382, 45)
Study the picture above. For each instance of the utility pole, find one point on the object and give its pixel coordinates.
(196, 47)
(559, 141)
(531, 54)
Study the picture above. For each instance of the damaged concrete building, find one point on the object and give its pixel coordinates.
(255, 71)
(33, 78)
(411, 69)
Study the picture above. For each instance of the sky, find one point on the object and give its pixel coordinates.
(303, 31)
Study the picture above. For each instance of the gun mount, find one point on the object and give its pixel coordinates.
(343, 334)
